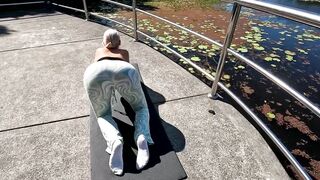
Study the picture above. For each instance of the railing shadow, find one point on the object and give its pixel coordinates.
(19, 12)
(4, 30)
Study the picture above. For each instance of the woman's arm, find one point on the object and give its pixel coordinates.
(125, 55)
(97, 55)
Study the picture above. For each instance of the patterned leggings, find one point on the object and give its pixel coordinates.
(100, 81)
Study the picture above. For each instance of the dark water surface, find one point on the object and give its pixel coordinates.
(292, 52)
(313, 7)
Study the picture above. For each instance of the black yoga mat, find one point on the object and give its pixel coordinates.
(163, 163)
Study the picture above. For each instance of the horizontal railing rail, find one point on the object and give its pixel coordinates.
(167, 21)
(119, 4)
(67, 7)
(21, 3)
(286, 12)
(296, 15)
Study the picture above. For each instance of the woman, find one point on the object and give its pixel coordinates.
(110, 72)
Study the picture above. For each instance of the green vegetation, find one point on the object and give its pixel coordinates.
(179, 4)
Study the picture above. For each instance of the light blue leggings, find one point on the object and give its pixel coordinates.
(100, 81)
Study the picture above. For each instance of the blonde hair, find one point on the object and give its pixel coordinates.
(111, 39)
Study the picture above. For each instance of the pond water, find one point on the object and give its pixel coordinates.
(313, 7)
(291, 51)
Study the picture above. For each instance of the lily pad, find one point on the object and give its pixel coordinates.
(211, 54)
(241, 67)
(302, 51)
(289, 58)
(226, 77)
(277, 49)
(182, 50)
(242, 49)
(289, 53)
(194, 42)
(274, 55)
(271, 115)
(268, 59)
(276, 59)
(195, 58)
(203, 47)
(191, 70)
(251, 41)
(260, 48)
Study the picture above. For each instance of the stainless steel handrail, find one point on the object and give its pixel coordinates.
(109, 19)
(181, 27)
(310, 21)
(224, 52)
(270, 134)
(167, 21)
(286, 12)
(135, 19)
(267, 74)
(67, 7)
(22, 3)
(85, 8)
(119, 4)
(281, 12)
(158, 42)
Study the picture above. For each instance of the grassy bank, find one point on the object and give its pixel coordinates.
(179, 4)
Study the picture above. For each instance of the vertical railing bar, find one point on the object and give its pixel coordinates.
(135, 20)
(85, 9)
(228, 39)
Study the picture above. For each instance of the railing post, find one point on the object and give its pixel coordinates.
(85, 9)
(228, 39)
(135, 23)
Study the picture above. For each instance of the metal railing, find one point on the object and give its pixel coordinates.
(289, 13)
(22, 3)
